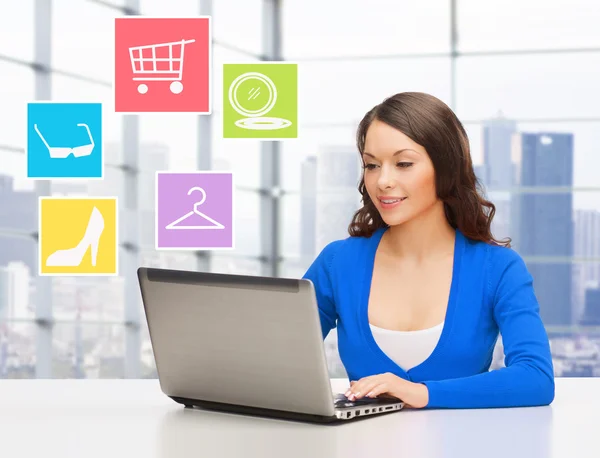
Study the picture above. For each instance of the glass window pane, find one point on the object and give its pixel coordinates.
(172, 8)
(235, 265)
(297, 156)
(340, 92)
(298, 229)
(16, 278)
(16, 90)
(242, 157)
(18, 202)
(582, 157)
(535, 24)
(94, 299)
(168, 259)
(529, 86)
(239, 24)
(82, 38)
(551, 230)
(175, 136)
(542, 224)
(84, 350)
(17, 28)
(248, 224)
(350, 27)
(17, 350)
(295, 267)
(314, 217)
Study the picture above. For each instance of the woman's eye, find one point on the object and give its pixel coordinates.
(404, 164)
(370, 166)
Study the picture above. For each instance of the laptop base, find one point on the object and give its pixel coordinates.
(344, 417)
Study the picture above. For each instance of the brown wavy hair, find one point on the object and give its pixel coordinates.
(432, 124)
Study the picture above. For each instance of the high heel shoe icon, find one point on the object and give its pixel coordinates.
(72, 257)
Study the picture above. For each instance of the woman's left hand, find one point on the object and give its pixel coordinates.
(414, 395)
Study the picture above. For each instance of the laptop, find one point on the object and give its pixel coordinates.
(244, 344)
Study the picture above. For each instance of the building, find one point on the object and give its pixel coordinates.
(586, 245)
(497, 139)
(544, 218)
(338, 175)
(591, 315)
(18, 212)
(498, 174)
(308, 208)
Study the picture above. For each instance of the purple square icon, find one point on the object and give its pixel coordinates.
(194, 210)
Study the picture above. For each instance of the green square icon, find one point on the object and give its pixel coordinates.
(260, 100)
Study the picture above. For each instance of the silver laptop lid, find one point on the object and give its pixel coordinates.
(243, 340)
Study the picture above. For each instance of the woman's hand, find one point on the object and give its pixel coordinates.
(414, 395)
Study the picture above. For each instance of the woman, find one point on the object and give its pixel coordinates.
(421, 289)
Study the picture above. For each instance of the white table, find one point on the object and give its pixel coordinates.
(132, 418)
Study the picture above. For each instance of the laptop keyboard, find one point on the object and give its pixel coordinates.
(341, 400)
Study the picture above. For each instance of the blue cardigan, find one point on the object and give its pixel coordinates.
(491, 292)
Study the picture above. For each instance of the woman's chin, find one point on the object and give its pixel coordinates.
(394, 220)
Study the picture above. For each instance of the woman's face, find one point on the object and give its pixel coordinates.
(398, 174)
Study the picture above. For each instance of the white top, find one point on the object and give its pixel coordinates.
(408, 349)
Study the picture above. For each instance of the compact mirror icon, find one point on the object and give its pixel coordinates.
(240, 94)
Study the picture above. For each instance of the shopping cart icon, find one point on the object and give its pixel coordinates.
(159, 62)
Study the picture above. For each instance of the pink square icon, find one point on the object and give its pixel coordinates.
(163, 65)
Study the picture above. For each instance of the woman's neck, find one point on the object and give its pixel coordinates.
(428, 236)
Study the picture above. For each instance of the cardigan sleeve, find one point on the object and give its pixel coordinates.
(320, 274)
(528, 378)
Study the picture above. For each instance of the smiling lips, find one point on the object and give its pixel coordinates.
(390, 202)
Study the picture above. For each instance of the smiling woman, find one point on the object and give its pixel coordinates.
(421, 290)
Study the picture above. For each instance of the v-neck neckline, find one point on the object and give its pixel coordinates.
(363, 318)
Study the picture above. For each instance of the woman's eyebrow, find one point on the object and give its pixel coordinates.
(396, 153)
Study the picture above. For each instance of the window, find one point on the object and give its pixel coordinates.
(355, 28)
(18, 347)
(18, 270)
(248, 225)
(241, 157)
(83, 38)
(529, 86)
(535, 24)
(340, 92)
(17, 30)
(172, 8)
(16, 90)
(173, 137)
(83, 350)
(585, 161)
(239, 24)
(300, 157)
(235, 265)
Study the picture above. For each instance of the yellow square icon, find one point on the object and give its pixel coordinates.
(78, 236)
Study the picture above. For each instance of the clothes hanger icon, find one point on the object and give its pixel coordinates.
(195, 211)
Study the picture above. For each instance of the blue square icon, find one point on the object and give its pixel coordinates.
(64, 140)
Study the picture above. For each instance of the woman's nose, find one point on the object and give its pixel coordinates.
(386, 178)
